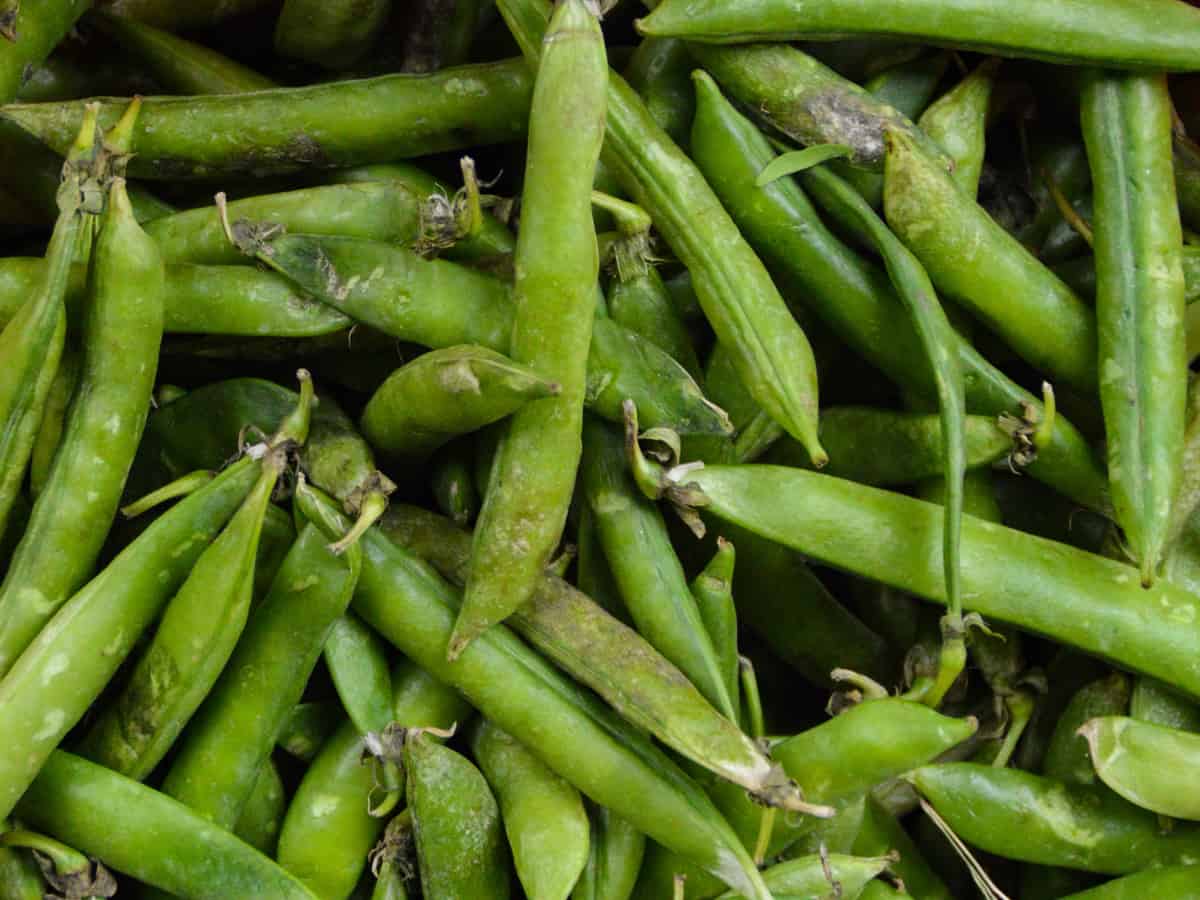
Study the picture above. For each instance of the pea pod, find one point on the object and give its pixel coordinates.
(39, 27)
(543, 815)
(1167, 882)
(660, 71)
(957, 122)
(614, 857)
(441, 33)
(813, 876)
(445, 393)
(881, 833)
(1144, 762)
(54, 416)
(260, 819)
(334, 34)
(1067, 756)
(1139, 303)
(178, 15)
(453, 484)
(357, 661)
(1154, 702)
(713, 590)
(306, 727)
(639, 301)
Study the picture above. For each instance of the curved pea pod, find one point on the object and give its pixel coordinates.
(460, 847)
(1146, 764)
(613, 764)
(76, 800)
(547, 828)
(880, 833)
(331, 33)
(1042, 820)
(339, 123)
(615, 854)
(1169, 883)
(179, 65)
(1067, 755)
(227, 744)
(815, 876)
(957, 122)
(77, 504)
(38, 27)
(1156, 703)
(445, 393)
(1153, 35)
(1139, 303)
(260, 819)
(328, 831)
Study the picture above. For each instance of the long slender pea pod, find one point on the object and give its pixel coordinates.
(1139, 303)
(615, 853)
(340, 123)
(358, 664)
(881, 833)
(54, 420)
(544, 818)
(770, 350)
(179, 65)
(1169, 883)
(1154, 702)
(1035, 819)
(660, 71)
(456, 820)
(855, 298)
(1146, 764)
(610, 762)
(957, 122)
(446, 393)
(1157, 34)
(75, 800)
(331, 33)
(525, 509)
(816, 875)
(227, 744)
(328, 830)
(77, 504)
(38, 26)
(262, 816)
(713, 590)
(605, 655)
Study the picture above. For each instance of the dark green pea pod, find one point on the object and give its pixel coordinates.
(180, 15)
(38, 28)
(306, 728)
(816, 875)
(64, 868)
(358, 664)
(615, 855)
(78, 502)
(330, 33)
(957, 123)
(1146, 764)
(54, 415)
(1067, 756)
(1151, 35)
(262, 816)
(1168, 883)
(339, 123)
(881, 833)
(441, 33)
(453, 484)
(544, 818)
(713, 590)
(1066, 674)
(1154, 702)
(1080, 274)
(661, 73)
(62, 77)
(1187, 177)
(1143, 367)
(445, 393)
(328, 829)
(76, 801)
(1058, 161)
(640, 302)
(1065, 240)
(460, 846)
(610, 762)
(179, 65)
(229, 741)
(1034, 819)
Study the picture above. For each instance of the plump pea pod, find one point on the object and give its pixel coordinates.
(661, 73)
(75, 800)
(1154, 702)
(1034, 819)
(460, 847)
(1009, 575)
(881, 833)
(600, 652)
(228, 742)
(179, 65)
(328, 831)
(54, 420)
(957, 123)
(1067, 756)
(855, 298)
(713, 590)
(261, 817)
(76, 506)
(1146, 764)
(445, 393)
(1139, 302)
(642, 305)
(453, 484)
(615, 854)
(544, 818)
(647, 571)
(306, 728)
(331, 33)
(770, 350)
(613, 764)
(193, 642)
(38, 27)
(339, 123)
(534, 473)
(817, 875)
(357, 661)
(975, 262)
(1151, 35)
(1169, 883)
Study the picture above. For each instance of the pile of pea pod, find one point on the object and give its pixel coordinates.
(665, 450)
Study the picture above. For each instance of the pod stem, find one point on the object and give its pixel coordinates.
(180, 487)
(372, 506)
(66, 870)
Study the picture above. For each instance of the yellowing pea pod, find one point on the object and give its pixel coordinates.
(1149, 765)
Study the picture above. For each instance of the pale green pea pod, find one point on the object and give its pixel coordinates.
(1155, 702)
(817, 876)
(713, 590)
(261, 817)
(543, 815)
(445, 393)
(1149, 765)
(357, 661)
(1168, 883)
(614, 857)
(957, 123)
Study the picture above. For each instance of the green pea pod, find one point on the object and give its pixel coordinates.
(77, 504)
(1169, 883)
(713, 591)
(178, 15)
(1080, 274)
(445, 393)
(615, 855)
(306, 728)
(1153, 35)
(1139, 303)
(600, 652)
(179, 65)
(592, 573)
(1057, 161)
(278, 535)
(194, 640)
(1042, 820)
(228, 742)
(441, 33)
(1144, 763)
(1067, 756)
(357, 661)
(957, 123)
(452, 484)
(661, 73)
(613, 764)
(881, 833)
(259, 822)
(460, 847)
(76, 800)
(543, 815)
(339, 123)
(640, 302)
(331, 33)
(815, 876)
(39, 27)
(328, 831)
(54, 417)
(1154, 702)
(20, 877)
